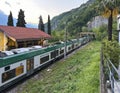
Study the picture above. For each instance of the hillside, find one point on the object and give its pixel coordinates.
(74, 19)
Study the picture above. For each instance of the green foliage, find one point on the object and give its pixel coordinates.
(84, 29)
(111, 50)
(21, 21)
(49, 25)
(41, 24)
(110, 4)
(10, 20)
(60, 35)
(108, 7)
(115, 32)
(57, 35)
(77, 74)
(74, 19)
(101, 32)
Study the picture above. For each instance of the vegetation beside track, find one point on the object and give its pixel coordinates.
(77, 74)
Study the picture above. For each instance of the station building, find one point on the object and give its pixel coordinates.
(17, 37)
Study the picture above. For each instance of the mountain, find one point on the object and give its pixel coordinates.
(4, 20)
(74, 19)
(30, 25)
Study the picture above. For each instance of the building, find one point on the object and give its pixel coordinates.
(97, 22)
(118, 26)
(17, 37)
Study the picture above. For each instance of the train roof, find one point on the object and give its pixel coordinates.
(21, 50)
(22, 55)
(26, 53)
(18, 51)
(5, 53)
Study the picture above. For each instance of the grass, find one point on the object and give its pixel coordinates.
(77, 74)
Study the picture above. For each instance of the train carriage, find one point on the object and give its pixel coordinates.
(18, 64)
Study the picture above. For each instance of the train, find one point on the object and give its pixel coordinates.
(17, 64)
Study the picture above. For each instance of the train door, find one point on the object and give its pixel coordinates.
(30, 66)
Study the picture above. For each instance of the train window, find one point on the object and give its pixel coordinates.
(72, 46)
(44, 59)
(54, 54)
(8, 75)
(69, 48)
(19, 70)
(30, 64)
(7, 68)
(62, 51)
(12, 73)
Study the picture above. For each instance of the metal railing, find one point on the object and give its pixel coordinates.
(113, 76)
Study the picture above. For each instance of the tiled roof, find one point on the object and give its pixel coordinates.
(21, 33)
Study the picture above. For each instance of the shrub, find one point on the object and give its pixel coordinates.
(111, 50)
(101, 32)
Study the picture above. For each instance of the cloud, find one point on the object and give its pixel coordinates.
(34, 8)
(18, 3)
(7, 3)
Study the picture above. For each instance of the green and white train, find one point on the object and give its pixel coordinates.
(19, 63)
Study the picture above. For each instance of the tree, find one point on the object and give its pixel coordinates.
(49, 25)
(84, 29)
(10, 20)
(41, 25)
(109, 9)
(21, 21)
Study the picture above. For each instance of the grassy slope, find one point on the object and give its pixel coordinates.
(77, 74)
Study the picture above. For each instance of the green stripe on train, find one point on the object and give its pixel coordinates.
(26, 55)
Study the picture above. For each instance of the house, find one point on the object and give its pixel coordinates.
(17, 37)
(97, 22)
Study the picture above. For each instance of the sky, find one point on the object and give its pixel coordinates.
(34, 8)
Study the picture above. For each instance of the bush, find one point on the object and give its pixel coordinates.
(111, 50)
(101, 32)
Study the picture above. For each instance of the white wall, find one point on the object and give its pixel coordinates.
(118, 26)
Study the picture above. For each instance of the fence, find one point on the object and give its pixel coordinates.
(109, 76)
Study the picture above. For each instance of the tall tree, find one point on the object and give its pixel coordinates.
(109, 9)
(41, 25)
(21, 21)
(49, 25)
(10, 20)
